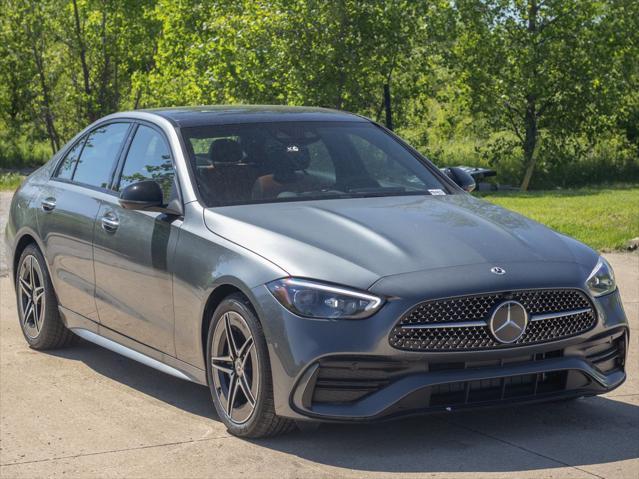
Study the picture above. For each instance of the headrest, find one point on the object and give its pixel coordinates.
(299, 155)
(286, 160)
(225, 150)
(289, 157)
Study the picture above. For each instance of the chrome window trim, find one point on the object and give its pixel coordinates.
(169, 130)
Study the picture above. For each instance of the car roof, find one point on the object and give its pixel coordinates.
(227, 114)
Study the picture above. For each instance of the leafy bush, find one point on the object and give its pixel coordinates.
(22, 152)
(10, 181)
(567, 162)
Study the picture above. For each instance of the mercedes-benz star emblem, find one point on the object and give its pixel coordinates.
(497, 270)
(508, 322)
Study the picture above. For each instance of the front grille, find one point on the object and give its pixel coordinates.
(426, 326)
(470, 393)
(344, 379)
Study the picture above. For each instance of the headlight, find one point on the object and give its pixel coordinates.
(602, 279)
(317, 300)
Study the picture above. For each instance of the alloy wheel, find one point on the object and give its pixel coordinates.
(235, 368)
(31, 294)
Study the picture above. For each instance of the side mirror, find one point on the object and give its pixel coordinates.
(461, 177)
(143, 195)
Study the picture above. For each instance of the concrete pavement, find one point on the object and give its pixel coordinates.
(86, 412)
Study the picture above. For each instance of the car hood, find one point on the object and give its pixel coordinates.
(358, 241)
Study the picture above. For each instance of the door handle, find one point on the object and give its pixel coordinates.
(110, 222)
(48, 204)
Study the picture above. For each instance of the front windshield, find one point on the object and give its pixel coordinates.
(276, 162)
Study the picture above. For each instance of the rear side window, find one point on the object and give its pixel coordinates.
(65, 170)
(100, 154)
(149, 158)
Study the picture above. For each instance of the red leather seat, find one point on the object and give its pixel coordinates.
(288, 175)
(228, 179)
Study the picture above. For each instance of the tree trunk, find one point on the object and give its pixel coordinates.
(104, 104)
(83, 62)
(530, 141)
(530, 118)
(116, 83)
(340, 61)
(54, 140)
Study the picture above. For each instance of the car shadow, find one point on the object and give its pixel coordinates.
(189, 397)
(517, 438)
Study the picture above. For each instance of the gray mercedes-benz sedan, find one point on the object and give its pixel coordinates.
(307, 265)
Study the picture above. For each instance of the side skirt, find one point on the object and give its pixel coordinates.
(118, 343)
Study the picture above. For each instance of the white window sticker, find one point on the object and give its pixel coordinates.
(437, 192)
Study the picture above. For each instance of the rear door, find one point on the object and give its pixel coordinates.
(69, 205)
(133, 250)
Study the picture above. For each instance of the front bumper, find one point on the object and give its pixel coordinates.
(347, 370)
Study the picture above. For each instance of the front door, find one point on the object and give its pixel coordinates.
(133, 250)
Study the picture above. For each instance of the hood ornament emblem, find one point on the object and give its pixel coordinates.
(497, 270)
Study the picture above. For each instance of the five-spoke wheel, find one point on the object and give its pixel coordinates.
(31, 296)
(239, 371)
(37, 303)
(234, 362)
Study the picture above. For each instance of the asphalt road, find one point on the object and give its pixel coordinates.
(86, 412)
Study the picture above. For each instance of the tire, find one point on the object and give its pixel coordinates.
(243, 368)
(37, 303)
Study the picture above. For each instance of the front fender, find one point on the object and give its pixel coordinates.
(204, 262)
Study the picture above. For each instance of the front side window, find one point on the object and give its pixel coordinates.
(272, 162)
(149, 158)
(380, 164)
(99, 155)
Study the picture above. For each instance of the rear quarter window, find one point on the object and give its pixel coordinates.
(67, 166)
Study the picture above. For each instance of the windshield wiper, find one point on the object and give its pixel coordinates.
(385, 191)
(354, 193)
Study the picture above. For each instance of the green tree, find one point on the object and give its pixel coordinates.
(336, 54)
(27, 75)
(105, 42)
(533, 65)
(17, 70)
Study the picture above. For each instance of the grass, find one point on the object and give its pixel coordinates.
(603, 218)
(10, 181)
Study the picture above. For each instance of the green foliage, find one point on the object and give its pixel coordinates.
(10, 181)
(335, 54)
(525, 86)
(22, 152)
(604, 218)
(544, 69)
